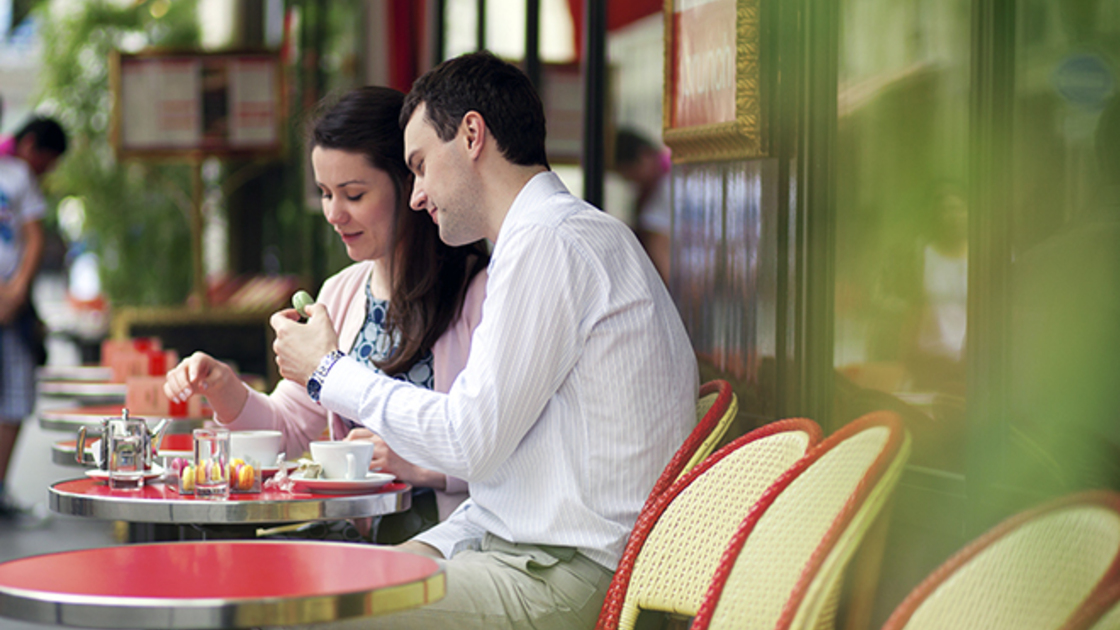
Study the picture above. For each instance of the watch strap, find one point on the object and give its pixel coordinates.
(315, 381)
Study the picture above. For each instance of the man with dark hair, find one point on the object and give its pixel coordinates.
(34, 152)
(580, 384)
(39, 143)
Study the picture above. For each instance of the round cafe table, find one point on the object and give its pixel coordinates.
(158, 502)
(216, 584)
(74, 373)
(90, 416)
(65, 452)
(85, 392)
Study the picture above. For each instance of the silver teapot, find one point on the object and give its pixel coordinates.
(149, 448)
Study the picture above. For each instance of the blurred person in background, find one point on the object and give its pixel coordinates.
(934, 347)
(26, 157)
(646, 166)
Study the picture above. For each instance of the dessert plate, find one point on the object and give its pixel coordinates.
(373, 481)
(268, 471)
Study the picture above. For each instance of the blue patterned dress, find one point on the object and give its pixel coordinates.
(374, 344)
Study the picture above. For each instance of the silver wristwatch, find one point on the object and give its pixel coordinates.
(315, 382)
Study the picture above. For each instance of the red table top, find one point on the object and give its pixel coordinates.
(219, 569)
(216, 584)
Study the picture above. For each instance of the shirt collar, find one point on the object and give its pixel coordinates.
(536, 190)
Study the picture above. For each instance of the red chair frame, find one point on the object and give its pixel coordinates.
(609, 615)
(700, 433)
(1096, 604)
(896, 446)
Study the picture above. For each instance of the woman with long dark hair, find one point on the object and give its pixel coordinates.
(406, 307)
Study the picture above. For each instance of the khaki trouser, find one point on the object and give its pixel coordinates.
(504, 585)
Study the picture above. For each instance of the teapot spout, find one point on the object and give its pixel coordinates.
(157, 434)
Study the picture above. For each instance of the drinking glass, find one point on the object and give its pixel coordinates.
(211, 463)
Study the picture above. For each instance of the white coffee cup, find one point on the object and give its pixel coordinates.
(343, 460)
(260, 446)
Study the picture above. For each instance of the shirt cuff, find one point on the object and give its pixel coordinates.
(343, 387)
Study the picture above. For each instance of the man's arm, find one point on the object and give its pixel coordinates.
(533, 328)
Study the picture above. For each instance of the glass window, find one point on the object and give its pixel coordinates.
(505, 29)
(901, 267)
(1065, 246)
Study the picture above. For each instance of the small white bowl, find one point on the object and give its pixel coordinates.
(262, 446)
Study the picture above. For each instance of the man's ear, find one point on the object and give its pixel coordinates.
(473, 128)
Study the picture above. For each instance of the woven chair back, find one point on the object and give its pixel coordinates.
(1042, 569)
(676, 544)
(715, 411)
(785, 563)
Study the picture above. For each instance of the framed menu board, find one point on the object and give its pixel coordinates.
(168, 103)
(711, 109)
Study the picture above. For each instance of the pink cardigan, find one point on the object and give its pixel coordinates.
(289, 408)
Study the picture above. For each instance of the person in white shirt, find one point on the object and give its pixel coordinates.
(580, 383)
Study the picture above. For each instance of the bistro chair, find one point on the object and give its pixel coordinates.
(715, 411)
(785, 564)
(675, 545)
(1056, 566)
(716, 408)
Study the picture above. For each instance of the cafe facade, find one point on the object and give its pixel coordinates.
(903, 205)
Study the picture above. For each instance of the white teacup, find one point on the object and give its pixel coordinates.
(260, 446)
(343, 460)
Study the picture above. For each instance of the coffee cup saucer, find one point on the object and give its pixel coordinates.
(372, 481)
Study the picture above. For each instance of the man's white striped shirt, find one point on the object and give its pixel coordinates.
(580, 385)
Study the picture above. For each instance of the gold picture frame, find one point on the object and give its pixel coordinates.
(717, 116)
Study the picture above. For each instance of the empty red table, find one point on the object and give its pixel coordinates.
(216, 584)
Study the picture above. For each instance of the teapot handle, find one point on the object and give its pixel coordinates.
(80, 451)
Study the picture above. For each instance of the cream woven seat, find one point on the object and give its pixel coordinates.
(676, 544)
(1056, 566)
(716, 408)
(785, 564)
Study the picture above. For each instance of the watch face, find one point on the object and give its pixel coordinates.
(313, 389)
